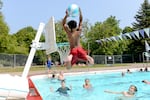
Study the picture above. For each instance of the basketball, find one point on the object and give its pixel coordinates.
(73, 10)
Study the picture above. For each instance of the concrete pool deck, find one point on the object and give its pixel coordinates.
(124, 68)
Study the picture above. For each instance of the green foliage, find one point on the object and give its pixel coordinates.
(128, 42)
(24, 39)
(127, 29)
(40, 57)
(3, 26)
(8, 44)
(142, 21)
(60, 33)
(106, 29)
(55, 56)
(4, 42)
(25, 36)
(143, 16)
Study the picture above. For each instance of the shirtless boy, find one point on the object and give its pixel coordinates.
(73, 31)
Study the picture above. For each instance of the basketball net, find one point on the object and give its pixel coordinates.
(63, 50)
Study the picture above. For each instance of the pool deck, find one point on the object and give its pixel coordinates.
(124, 68)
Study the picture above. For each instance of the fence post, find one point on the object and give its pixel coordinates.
(14, 60)
(113, 59)
(121, 59)
(105, 59)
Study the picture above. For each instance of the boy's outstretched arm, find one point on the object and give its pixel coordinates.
(80, 20)
(64, 22)
(113, 92)
(65, 18)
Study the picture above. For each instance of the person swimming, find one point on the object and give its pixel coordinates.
(63, 90)
(61, 76)
(130, 93)
(87, 84)
(146, 82)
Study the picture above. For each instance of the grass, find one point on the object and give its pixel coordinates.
(20, 69)
(42, 68)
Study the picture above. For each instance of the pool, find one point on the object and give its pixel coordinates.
(100, 82)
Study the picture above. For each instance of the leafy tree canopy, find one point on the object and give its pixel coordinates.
(142, 17)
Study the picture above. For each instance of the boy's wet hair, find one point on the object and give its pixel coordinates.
(72, 24)
(62, 81)
(86, 79)
(135, 88)
(143, 81)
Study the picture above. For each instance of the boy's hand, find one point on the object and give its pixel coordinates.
(79, 10)
(67, 13)
(70, 87)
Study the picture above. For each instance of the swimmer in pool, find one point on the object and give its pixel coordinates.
(61, 76)
(87, 84)
(63, 90)
(130, 93)
(146, 82)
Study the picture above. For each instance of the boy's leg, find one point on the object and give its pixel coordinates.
(48, 70)
(90, 59)
(68, 62)
(82, 54)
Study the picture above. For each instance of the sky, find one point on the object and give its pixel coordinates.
(22, 13)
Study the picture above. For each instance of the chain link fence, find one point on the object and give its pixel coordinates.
(13, 60)
(114, 59)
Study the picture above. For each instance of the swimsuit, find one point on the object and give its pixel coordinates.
(78, 53)
(63, 90)
(49, 64)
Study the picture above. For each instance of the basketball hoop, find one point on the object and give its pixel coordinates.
(63, 50)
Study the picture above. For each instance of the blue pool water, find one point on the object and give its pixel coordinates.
(100, 82)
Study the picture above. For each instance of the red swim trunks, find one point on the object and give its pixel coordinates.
(78, 53)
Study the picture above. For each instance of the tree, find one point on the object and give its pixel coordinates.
(60, 33)
(7, 43)
(85, 29)
(5, 39)
(142, 21)
(142, 17)
(24, 38)
(127, 29)
(4, 29)
(130, 43)
(106, 29)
